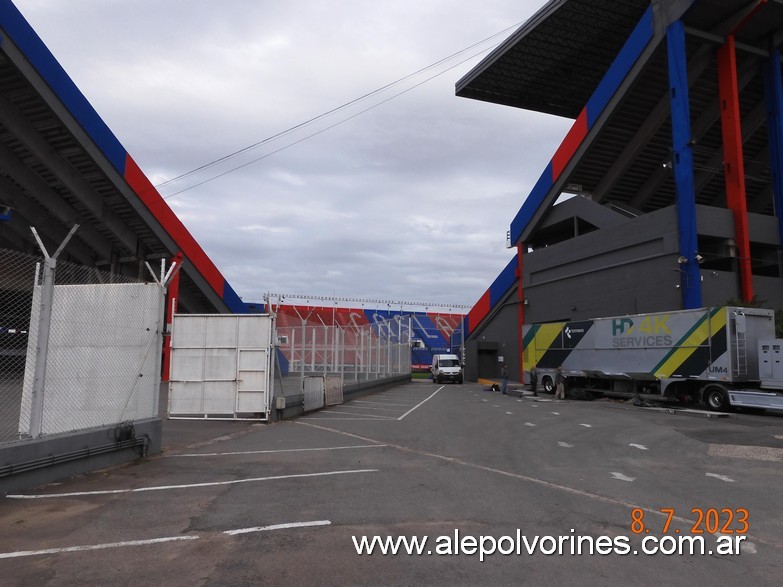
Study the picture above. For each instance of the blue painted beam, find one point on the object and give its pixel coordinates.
(682, 161)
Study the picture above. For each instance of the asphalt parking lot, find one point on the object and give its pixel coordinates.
(469, 470)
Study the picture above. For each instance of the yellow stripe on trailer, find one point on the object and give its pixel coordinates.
(698, 337)
(545, 336)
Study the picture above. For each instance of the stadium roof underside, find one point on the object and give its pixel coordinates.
(604, 63)
(61, 165)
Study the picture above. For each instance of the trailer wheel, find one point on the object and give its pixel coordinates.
(548, 384)
(716, 398)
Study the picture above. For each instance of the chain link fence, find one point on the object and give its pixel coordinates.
(17, 276)
(79, 347)
(355, 353)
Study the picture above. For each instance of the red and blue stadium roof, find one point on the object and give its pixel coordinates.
(605, 64)
(535, 202)
(16, 29)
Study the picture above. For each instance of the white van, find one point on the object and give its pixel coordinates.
(446, 368)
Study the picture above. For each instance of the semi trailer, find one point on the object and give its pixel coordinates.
(725, 356)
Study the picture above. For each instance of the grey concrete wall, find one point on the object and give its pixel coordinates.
(63, 456)
(623, 268)
(499, 337)
(295, 401)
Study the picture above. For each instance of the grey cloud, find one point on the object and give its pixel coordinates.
(359, 210)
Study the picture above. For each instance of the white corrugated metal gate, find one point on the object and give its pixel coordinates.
(220, 366)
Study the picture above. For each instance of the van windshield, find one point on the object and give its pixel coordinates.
(449, 363)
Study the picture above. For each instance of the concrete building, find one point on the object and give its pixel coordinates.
(667, 192)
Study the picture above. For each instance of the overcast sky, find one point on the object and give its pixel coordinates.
(409, 200)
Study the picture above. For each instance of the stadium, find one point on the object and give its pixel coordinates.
(666, 194)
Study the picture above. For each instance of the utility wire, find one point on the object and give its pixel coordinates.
(318, 132)
(328, 113)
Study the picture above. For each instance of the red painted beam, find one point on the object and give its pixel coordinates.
(479, 312)
(576, 135)
(733, 165)
(169, 221)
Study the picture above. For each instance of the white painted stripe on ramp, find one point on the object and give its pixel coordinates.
(188, 485)
(21, 553)
(359, 401)
(417, 406)
(277, 527)
(149, 541)
(263, 452)
(721, 477)
(347, 413)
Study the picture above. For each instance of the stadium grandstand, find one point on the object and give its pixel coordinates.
(51, 130)
(667, 191)
(435, 328)
(64, 172)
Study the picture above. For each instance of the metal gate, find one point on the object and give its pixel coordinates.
(220, 366)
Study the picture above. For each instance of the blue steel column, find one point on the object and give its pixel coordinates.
(690, 277)
(773, 87)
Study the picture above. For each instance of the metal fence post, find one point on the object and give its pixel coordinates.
(44, 326)
(378, 359)
(304, 351)
(399, 344)
(361, 354)
(42, 346)
(326, 349)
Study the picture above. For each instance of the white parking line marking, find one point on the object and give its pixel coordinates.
(510, 413)
(565, 445)
(334, 411)
(639, 446)
(21, 553)
(188, 485)
(352, 405)
(332, 419)
(263, 452)
(586, 425)
(621, 477)
(721, 477)
(529, 424)
(277, 527)
(543, 483)
(417, 406)
(88, 547)
(556, 413)
(359, 401)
